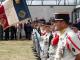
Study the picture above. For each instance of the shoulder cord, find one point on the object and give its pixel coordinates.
(69, 38)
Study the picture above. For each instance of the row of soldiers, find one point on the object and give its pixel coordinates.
(57, 40)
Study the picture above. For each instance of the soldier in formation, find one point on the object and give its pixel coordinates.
(61, 42)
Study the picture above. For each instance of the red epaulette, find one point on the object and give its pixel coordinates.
(55, 40)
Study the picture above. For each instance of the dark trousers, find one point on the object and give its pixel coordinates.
(28, 35)
(1, 36)
(6, 35)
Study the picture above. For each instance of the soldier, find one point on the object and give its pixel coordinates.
(52, 46)
(76, 29)
(37, 40)
(44, 52)
(28, 30)
(68, 44)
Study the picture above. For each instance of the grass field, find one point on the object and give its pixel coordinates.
(16, 50)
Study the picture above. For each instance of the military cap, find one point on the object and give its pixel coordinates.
(62, 17)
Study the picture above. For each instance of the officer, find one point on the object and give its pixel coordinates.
(28, 30)
(68, 46)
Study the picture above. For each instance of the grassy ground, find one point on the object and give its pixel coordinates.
(16, 50)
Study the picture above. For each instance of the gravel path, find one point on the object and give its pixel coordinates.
(16, 50)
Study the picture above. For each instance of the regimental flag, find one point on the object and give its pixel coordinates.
(13, 11)
(21, 9)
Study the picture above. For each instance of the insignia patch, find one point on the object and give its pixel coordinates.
(73, 49)
(22, 13)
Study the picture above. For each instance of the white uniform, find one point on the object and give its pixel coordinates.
(68, 51)
(36, 39)
(45, 46)
(52, 49)
(33, 38)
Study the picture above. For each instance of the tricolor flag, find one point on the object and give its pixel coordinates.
(13, 11)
